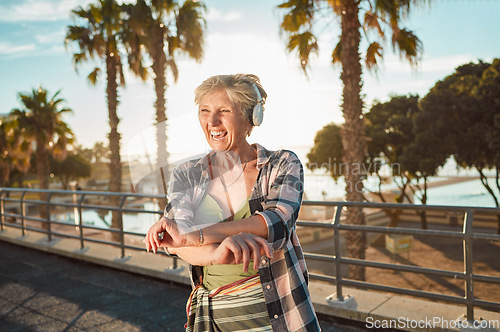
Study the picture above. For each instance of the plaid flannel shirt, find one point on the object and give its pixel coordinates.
(276, 196)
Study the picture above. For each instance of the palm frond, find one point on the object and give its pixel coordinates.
(190, 28)
(408, 45)
(337, 54)
(94, 75)
(371, 22)
(304, 44)
(173, 68)
(301, 14)
(373, 53)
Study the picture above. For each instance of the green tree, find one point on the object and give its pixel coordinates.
(460, 115)
(98, 37)
(327, 151)
(378, 15)
(41, 121)
(161, 29)
(14, 151)
(72, 168)
(393, 141)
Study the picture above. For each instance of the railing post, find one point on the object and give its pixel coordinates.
(337, 250)
(174, 263)
(2, 211)
(80, 220)
(23, 213)
(122, 236)
(468, 263)
(49, 223)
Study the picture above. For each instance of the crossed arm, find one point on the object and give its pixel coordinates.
(232, 242)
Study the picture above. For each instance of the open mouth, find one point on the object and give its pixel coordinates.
(218, 135)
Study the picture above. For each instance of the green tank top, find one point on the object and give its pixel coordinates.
(215, 276)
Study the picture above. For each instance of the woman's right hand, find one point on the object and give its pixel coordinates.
(240, 248)
(165, 233)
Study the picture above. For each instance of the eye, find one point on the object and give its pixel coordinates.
(225, 110)
(204, 110)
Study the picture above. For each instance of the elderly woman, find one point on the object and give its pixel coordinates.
(231, 215)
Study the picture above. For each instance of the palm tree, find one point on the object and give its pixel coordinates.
(98, 37)
(41, 121)
(298, 22)
(15, 151)
(160, 28)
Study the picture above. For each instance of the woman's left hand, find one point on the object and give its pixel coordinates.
(240, 248)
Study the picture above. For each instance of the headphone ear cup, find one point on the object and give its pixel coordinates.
(258, 114)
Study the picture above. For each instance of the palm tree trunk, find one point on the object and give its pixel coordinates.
(161, 121)
(159, 67)
(115, 168)
(353, 131)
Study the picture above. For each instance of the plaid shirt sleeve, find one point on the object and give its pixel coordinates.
(186, 186)
(284, 196)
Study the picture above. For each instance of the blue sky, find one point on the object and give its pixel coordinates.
(242, 36)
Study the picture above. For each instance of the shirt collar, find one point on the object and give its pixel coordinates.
(263, 155)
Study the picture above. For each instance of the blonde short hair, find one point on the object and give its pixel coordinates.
(240, 89)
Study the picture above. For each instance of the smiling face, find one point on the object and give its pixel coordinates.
(224, 127)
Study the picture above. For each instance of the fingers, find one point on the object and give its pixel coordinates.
(248, 246)
(153, 239)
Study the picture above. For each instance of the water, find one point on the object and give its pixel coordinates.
(469, 193)
(132, 222)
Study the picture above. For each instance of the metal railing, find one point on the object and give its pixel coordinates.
(467, 236)
(78, 199)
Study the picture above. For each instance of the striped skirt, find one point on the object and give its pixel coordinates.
(239, 306)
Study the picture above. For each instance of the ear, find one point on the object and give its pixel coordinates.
(249, 130)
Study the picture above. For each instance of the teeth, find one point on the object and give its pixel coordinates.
(218, 135)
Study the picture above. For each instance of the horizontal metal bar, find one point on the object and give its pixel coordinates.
(15, 215)
(488, 279)
(314, 224)
(38, 230)
(90, 239)
(487, 304)
(134, 233)
(404, 206)
(320, 257)
(484, 236)
(404, 268)
(65, 235)
(35, 219)
(80, 192)
(406, 231)
(404, 291)
(321, 277)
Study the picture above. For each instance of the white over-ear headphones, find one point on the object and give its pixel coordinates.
(258, 109)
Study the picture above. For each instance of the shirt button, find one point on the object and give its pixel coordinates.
(263, 261)
(268, 287)
(276, 316)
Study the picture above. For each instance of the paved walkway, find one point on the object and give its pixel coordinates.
(40, 291)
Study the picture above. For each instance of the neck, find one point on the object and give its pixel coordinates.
(247, 153)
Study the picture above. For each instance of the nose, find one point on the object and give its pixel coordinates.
(213, 119)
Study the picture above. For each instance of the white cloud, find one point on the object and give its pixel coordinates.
(13, 49)
(216, 15)
(56, 37)
(38, 10)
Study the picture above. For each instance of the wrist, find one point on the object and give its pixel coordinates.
(195, 238)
